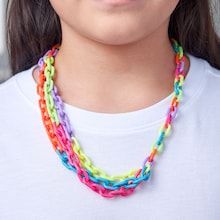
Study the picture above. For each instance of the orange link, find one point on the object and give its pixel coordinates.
(45, 116)
(177, 60)
(138, 172)
(174, 101)
(151, 157)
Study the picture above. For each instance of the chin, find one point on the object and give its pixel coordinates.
(115, 39)
(116, 35)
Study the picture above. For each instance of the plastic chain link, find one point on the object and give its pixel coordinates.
(67, 146)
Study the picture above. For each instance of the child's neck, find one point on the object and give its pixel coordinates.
(115, 79)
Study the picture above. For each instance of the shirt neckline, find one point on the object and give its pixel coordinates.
(116, 122)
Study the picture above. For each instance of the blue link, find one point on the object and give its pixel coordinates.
(132, 185)
(123, 182)
(109, 187)
(95, 180)
(68, 166)
(176, 88)
(160, 139)
(108, 184)
(62, 156)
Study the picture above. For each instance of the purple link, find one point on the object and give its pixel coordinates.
(41, 60)
(55, 52)
(145, 161)
(41, 63)
(61, 103)
(168, 111)
(181, 68)
(68, 135)
(68, 126)
(174, 113)
(65, 127)
(46, 54)
(60, 114)
(63, 118)
(56, 91)
(56, 100)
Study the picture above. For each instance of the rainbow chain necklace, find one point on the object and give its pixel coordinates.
(66, 145)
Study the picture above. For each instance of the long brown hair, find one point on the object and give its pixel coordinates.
(33, 27)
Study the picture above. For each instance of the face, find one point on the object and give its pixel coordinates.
(109, 22)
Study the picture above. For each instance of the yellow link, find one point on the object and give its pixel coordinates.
(97, 172)
(180, 52)
(148, 168)
(181, 80)
(161, 129)
(160, 147)
(168, 130)
(180, 96)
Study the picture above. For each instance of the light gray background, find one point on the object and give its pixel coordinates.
(4, 66)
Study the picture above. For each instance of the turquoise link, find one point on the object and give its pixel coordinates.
(160, 139)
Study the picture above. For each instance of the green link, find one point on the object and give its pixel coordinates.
(180, 96)
(180, 52)
(55, 116)
(52, 71)
(160, 147)
(47, 72)
(168, 130)
(51, 102)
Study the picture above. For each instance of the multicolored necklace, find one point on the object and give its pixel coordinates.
(66, 145)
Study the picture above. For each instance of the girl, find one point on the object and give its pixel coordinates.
(112, 111)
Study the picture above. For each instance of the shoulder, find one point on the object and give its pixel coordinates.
(212, 72)
(8, 91)
(212, 84)
(212, 81)
(14, 99)
(7, 84)
(211, 94)
(207, 73)
(13, 87)
(206, 104)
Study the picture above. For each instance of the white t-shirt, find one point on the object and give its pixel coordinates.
(185, 180)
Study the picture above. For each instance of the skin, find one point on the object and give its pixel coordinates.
(114, 59)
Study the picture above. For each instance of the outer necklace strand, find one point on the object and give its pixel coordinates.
(67, 146)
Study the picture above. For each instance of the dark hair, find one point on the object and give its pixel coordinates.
(33, 27)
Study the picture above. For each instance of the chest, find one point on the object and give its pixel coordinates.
(184, 182)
